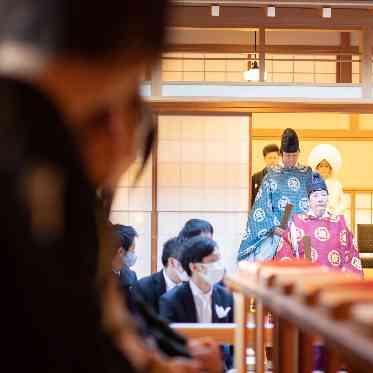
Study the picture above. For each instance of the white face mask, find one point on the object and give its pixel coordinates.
(214, 272)
(183, 276)
(130, 259)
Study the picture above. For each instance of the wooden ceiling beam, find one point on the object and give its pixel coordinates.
(244, 17)
(274, 49)
(164, 105)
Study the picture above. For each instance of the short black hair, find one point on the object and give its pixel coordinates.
(270, 148)
(126, 235)
(195, 227)
(92, 29)
(171, 249)
(194, 250)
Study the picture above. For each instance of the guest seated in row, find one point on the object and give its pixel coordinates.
(152, 287)
(156, 337)
(196, 227)
(126, 236)
(199, 299)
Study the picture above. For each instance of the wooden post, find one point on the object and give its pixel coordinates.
(262, 53)
(332, 361)
(366, 62)
(240, 318)
(344, 62)
(305, 356)
(259, 340)
(156, 80)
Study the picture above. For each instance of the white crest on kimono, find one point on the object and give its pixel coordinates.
(304, 204)
(262, 233)
(356, 263)
(259, 194)
(343, 237)
(334, 218)
(276, 221)
(244, 235)
(299, 232)
(259, 215)
(314, 254)
(282, 202)
(322, 234)
(294, 184)
(334, 258)
(273, 185)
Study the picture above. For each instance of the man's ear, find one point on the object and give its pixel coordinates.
(121, 251)
(193, 267)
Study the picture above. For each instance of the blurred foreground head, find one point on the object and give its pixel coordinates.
(88, 56)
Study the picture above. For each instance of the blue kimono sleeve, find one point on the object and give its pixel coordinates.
(258, 241)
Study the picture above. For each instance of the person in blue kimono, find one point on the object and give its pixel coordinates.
(284, 184)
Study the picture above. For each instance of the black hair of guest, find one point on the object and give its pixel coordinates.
(194, 250)
(171, 249)
(126, 235)
(271, 148)
(195, 227)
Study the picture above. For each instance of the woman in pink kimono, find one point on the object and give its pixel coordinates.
(332, 243)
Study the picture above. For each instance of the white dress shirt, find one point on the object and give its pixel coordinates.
(203, 302)
(169, 283)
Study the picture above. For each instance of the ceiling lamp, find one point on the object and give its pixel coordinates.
(271, 12)
(327, 12)
(253, 72)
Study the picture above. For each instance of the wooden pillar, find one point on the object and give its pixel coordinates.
(344, 62)
(259, 340)
(366, 62)
(156, 80)
(262, 53)
(305, 356)
(154, 213)
(240, 318)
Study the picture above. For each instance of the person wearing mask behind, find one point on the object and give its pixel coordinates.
(127, 240)
(201, 299)
(271, 156)
(152, 287)
(196, 227)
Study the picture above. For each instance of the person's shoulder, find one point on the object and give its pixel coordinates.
(147, 281)
(221, 290)
(176, 293)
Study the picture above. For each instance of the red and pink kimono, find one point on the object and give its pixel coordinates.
(332, 243)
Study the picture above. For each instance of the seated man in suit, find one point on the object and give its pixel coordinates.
(126, 236)
(152, 287)
(200, 299)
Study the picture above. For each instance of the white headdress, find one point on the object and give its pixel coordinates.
(328, 152)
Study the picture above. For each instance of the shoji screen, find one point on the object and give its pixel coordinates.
(203, 172)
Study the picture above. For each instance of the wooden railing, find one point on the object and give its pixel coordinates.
(293, 298)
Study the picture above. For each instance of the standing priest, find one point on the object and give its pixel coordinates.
(283, 185)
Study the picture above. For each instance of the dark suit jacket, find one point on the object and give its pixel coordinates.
(177, 305)
(49, 243)
(151, 288)
(256, 182)
(150, 324)
(127, 277)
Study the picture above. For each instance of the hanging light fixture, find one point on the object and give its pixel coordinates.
(253, 73)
